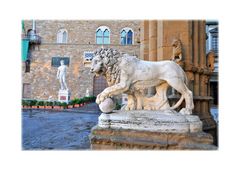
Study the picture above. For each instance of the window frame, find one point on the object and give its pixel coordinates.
(27, 66)
(103, 29)
(125, 37)
(85, 52)
(60, 32)
(27, 87)
(126, 29)
(59, 58)
(214, 42)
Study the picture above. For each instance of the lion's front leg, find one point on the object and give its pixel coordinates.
(139, 99)
(112, 91)
(131, 103)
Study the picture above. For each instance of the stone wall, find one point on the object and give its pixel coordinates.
(83, 31)
(81, 37)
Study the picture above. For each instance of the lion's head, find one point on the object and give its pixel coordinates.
(176, 42)
(106, 62)
(97, 65)
(177, 50)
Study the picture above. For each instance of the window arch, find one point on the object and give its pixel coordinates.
(126, 36)
(62, 36)
(103, 35)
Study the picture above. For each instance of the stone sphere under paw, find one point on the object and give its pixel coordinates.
(107, 105)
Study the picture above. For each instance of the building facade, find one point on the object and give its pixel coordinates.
(212, 45)
(74, 42)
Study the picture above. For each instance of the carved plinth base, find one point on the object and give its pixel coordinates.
(155, 121)
(64, 96)
(150, 130)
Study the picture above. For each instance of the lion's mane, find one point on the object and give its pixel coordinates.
(111, 59)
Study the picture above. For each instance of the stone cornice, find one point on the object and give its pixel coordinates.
(176, 97)
(189, 67)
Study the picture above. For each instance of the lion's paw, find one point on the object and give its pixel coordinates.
(127, 108)
(98, 101)
(100, 98)
(185, 111)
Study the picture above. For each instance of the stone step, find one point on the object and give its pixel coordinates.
(107, 138)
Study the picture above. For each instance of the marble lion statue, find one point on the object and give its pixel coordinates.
(130, 75)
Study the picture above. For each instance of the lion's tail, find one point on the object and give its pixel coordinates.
(178, 103)
(182, 98)
(185, 78)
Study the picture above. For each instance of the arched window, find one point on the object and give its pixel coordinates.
(103, 35)
(126, 36)
(62, 36)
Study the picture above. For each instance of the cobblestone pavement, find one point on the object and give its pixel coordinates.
(64, 129)
(59, 130)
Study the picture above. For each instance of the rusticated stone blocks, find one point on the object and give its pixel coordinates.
(112, 139)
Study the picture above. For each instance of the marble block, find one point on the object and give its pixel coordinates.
(64, 96)
(154, 121)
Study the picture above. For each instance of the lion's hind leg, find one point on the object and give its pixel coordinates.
(181, 87)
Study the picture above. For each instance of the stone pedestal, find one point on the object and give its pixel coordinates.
(150, 130)
(64, 96)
